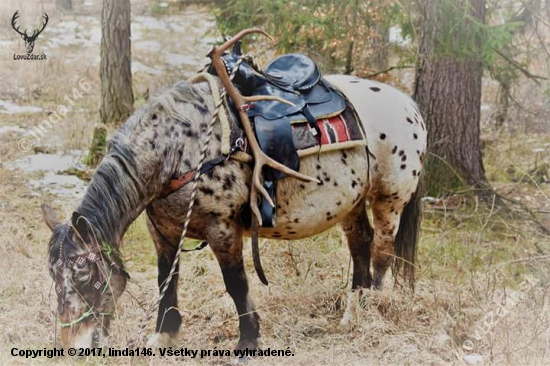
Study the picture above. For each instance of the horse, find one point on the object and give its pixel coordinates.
(163, 139)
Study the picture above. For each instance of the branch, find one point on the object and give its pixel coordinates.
(397, 67)
(523, 70)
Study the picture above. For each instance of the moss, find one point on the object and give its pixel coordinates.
(98, 147)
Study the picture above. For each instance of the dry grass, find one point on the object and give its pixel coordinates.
(469, 255)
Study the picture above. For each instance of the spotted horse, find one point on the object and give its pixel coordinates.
(164, 139)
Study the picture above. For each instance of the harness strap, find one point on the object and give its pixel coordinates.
(180, 180)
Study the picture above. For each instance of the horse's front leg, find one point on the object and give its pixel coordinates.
(169, 318)
(227, 245)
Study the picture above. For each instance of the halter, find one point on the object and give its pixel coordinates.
(100, 283)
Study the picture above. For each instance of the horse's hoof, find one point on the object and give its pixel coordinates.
(245, 347)
(161, 340)
(377, 281)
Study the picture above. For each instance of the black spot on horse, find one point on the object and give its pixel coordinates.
(415, 136)
(207, 191)
(403, 166)
(414, 173)
(344, 161)
(353, 183)
(375, 89)
(228, 181)
(153, 145)
(302, 186)
(394, 149)
(189, 133)
(409, 120)
(318, 166)
(353, 171)
(201, 108)
(354, 81)
(401, 152)
(154, 116)
(215, 214)
(382, 136)
(404, 158)
(338, 203)
(292, 232)
(187, 163)
(218, 136)
(296, 220)
(335, 184)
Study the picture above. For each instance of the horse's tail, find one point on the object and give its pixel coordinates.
(407, 237)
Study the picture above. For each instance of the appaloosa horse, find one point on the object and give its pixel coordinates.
(163, 139)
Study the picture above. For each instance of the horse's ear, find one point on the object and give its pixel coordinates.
(49, 216)
(79, 223)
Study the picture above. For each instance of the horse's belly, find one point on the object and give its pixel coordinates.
(305, 209)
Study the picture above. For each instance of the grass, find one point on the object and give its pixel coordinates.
(469, 255)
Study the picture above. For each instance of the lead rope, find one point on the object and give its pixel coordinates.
(166, 284)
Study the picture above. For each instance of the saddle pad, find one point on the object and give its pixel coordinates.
(342, 131)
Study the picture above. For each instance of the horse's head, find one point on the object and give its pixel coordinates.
(88, 276)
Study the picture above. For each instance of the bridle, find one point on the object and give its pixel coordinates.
(100, 282)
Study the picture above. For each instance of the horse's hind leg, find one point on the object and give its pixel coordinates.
(386, 216)
(169, 318)
(359, 235)
(228, 248)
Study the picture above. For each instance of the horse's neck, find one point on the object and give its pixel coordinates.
(115, 198)
(144, 155)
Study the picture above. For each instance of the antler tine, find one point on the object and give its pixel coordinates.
(260, 158)
(13, 19)
(258, 98)
(224, 47)
(43, 25)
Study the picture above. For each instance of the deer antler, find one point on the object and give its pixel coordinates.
(45, 16)
(241, 102)
(15, 16)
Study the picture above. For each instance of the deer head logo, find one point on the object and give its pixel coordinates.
(29, 40)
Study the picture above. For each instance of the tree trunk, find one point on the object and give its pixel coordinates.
(115, 69)
(448, 92)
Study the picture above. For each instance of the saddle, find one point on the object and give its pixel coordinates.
(297, 79)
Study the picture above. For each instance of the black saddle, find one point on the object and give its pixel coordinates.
(295, 78)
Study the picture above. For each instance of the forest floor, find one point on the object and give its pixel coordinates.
(481, 296)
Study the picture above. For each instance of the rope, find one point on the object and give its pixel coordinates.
(202, 158)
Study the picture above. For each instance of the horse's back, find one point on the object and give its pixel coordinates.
(395, 132)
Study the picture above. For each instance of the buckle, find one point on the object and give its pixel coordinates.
(246, 107)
